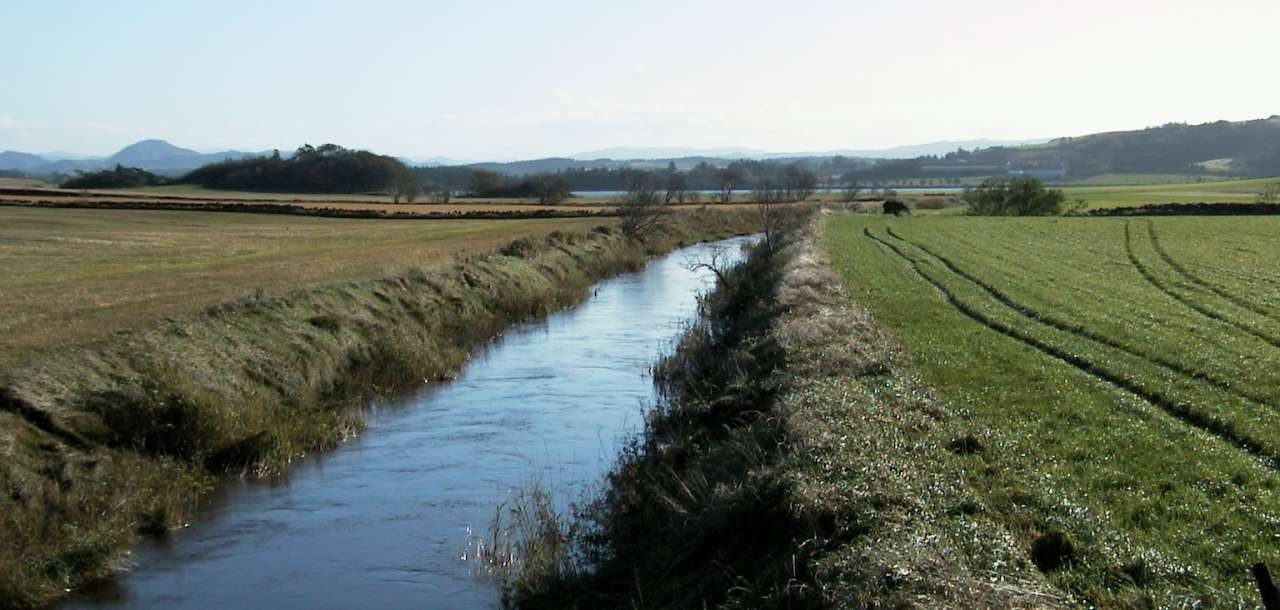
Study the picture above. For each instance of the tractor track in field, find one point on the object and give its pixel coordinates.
(1205, 311)
(1194, 279)
(1209, 425)
(1085, 333)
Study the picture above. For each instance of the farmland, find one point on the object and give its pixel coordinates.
(1121, 377)
(72, 276)
(1231, 191)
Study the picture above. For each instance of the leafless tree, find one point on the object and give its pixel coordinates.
(770, 213)
(405, 186)
(798, 182)
(716, 260)
(851, 191)
(677, 187)
(729, 178)
(641, 207)
(551, 189)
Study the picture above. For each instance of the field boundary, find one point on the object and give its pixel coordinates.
(1189, 209)
(314, 212)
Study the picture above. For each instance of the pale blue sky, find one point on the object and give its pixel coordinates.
(480, 80)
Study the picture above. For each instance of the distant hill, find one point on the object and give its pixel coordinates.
(151, 155)
(156, 155)
(1240, 148)
(20, 161)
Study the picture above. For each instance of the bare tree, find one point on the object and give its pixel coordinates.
(404, 185)
(770, 214)
(728, 178)
(641, 207)
(443, 194)
(768, 191)
(550, 188)
(798, 182)
(851, 191)
(677, 187)
(717, 261)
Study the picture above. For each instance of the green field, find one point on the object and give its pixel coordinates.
(1124, 376)
(71, 276)
(1231, 191)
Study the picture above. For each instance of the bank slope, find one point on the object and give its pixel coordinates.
(120, 439)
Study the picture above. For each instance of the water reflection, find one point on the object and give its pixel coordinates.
(384, 520)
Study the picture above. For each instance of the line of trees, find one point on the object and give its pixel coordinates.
(702, 177)
(117, 178)
(777, 181)
(1020, 197)
(328, 168)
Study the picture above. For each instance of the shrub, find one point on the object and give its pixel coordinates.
(1020, 197)
(120, 177)
(1270, 194)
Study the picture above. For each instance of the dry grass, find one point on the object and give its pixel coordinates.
(116, 439)
(795, 461)
(70, 276)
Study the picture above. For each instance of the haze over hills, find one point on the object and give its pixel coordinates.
(896, 152)
(163, 157)
(1223, 147)
(152, 155)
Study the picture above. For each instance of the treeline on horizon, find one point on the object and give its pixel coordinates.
(328, 168)
(324, 169)
(1230, 149)
(736, 175)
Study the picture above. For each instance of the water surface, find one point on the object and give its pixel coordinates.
(386, 520)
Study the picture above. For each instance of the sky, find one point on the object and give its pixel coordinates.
(502, 80)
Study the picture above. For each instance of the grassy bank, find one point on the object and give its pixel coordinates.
(795, 461)
(119, 438)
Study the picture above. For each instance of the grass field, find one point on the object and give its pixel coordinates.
(1231, 191)
(1123, 377)
(71, 276)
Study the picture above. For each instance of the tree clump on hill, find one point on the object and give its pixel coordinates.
(328, 168)
(118, 178)
(1020, 197)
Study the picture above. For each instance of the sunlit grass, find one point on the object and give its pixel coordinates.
(1153, 448)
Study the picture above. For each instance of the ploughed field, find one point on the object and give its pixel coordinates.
(71, 276)
(1124, 375)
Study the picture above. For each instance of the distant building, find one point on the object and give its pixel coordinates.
(1039, 173)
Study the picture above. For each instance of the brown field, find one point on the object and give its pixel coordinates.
(70, 276)
(22, 183)
(378, 203)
